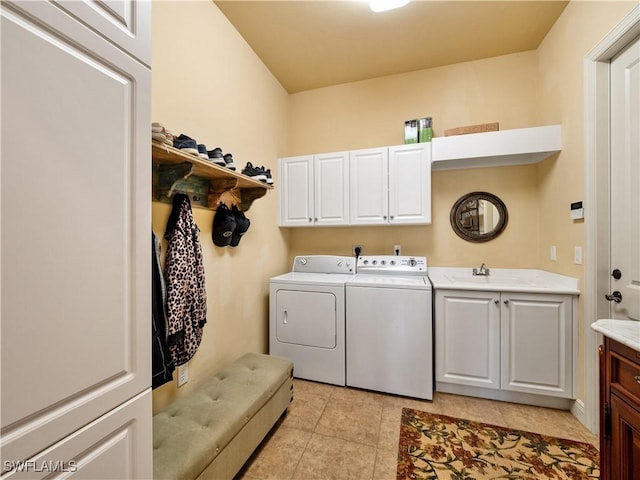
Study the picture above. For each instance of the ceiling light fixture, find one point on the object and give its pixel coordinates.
(384, 5)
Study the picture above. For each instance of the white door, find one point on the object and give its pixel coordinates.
(625, 184)
(537, 344)
(368, 178)
(296, 191)
(76, 239)
(468, 338)
(410, 184)
(331, 185)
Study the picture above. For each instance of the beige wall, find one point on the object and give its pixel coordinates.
(534, 88)
(372, 113)
(208, 84)
(561, 100)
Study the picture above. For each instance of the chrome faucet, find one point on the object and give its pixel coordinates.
(483, 270)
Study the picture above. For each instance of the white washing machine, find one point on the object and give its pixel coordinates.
(307, 316)
(390, 326)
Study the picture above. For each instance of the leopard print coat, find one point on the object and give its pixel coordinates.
(184, 274)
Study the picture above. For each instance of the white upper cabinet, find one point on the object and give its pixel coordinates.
(493, 149)
(369, 192)
(314, 190)
(410, 184)
(331, 186)
(296, 191)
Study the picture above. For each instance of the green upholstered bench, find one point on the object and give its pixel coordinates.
(212, 431)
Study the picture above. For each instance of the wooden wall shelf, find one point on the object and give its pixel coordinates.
(206, 183)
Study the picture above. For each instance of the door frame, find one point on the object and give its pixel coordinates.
(597, 229)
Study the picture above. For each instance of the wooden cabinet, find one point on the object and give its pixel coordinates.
(314, 190)
(619, 412)
(518, 342)
(76, 240)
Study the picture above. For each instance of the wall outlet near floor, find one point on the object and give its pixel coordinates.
(577, 255)
(357, 250)
(183, 374)
(553, 254)
(397, 250)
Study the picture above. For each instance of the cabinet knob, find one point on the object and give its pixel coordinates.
(614, 297)
(637, 378)
(506, 302)
(310, 219)
(496, 302)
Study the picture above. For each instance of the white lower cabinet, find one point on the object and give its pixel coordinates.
(513, 342)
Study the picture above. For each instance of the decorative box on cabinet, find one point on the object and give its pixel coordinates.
(619, 411)
(206, 183)
(314, 190)
(514, 343)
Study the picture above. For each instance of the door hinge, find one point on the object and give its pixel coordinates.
(607, 421)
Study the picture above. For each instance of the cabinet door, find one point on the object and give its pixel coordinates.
(296, 191)
(468, 338)
(368, 178)
(331, 186)
(76, 246)
(537, 344)
(625, 440)
(410, 184)
(123, 22)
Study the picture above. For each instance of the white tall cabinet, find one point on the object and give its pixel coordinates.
(76, 240)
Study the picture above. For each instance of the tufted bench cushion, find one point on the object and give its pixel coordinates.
(236, 406)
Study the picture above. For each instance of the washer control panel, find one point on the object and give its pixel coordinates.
(392, 265)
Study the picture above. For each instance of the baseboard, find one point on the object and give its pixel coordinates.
(578, 411)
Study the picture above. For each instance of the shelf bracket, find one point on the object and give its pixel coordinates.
(171, 179)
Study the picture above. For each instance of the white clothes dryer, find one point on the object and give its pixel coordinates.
(307, 316)
(390, 327)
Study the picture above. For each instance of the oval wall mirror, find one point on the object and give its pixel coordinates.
(479, 217)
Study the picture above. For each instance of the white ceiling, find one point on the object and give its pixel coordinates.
(312, 44)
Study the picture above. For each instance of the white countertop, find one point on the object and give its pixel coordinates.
(503, 280)
(626, 332)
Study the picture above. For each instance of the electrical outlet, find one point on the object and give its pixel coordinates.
(183, 374)
(577, 255)
(359, 252)
(397, 250)
(553, 254)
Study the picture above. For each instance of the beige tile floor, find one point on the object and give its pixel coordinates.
(343, 433)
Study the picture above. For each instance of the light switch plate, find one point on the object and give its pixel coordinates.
(183, 374)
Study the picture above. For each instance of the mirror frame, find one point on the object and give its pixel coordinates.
(463, 233)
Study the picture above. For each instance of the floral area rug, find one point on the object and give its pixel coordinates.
(440, 447)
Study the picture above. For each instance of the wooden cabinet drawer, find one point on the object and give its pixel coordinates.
(625, 372)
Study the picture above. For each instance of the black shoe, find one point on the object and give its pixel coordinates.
(228, 160)
(215, 156)
(268, 174)
(186, 144)
(256, 173)
(202, 151)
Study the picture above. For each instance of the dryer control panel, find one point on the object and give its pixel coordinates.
(392, 265)
(324, 264)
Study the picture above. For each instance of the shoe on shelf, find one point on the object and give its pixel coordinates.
(186, 144)
(169, 139)
(228, 161)
(202, 151)
(257, 173)
(158, 132)
(269, 177)
(216, 157)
